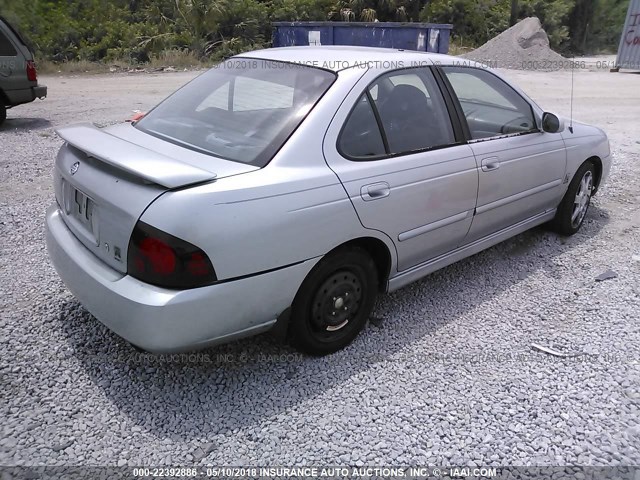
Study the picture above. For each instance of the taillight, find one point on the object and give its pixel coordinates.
(32, 75)
(161, 259)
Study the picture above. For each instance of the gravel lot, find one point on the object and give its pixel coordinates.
(447, 376)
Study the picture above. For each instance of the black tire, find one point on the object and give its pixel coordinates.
(572, 211)
(334, 302)
(3, 113)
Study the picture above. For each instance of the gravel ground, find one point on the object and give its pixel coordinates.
(447, 376)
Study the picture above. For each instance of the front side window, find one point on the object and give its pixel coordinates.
(411, 116)
(6, 47)
(243, 110)
(491, 107)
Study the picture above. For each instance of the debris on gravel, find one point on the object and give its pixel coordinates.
(607, 275)
(525, 46)
(550, 351)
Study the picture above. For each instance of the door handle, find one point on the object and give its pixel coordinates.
(490, 163)
(375, 191)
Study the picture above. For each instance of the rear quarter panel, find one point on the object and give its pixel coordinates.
(259, 221)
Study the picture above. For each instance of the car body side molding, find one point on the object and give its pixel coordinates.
(419, 271)
(433, 226)
(517, 196)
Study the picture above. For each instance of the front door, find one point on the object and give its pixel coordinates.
(521, 168)
(401, 164)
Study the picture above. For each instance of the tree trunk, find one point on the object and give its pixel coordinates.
(514, 13)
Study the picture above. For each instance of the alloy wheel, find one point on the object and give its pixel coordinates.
(582, 199)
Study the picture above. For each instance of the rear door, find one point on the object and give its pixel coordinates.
(521, 168)
(395, 149)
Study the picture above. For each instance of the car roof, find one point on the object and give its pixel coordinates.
(340, 57)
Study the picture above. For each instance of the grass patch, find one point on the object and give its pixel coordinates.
(177, 59)
(458, 46)
(78, 66)
(174, 58)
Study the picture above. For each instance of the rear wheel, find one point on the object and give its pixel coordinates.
(575, 204)
(3, 113)
(334, 302)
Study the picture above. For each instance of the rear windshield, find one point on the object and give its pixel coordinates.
(242, 110)
(17, 34)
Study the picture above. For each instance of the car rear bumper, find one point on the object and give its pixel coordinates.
(161, 320)
(39, 91)
(25, 95)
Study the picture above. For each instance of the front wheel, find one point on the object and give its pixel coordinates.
(575, 204)
(3, 114)
(334, 302)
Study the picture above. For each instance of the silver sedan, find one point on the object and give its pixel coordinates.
(287, 187)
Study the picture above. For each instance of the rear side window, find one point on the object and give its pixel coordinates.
(412, 111)
(492, 108)
(409, 79)
(412, 117)
(360, 137)
(6, 47)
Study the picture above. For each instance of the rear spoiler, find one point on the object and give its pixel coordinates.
(131, 158)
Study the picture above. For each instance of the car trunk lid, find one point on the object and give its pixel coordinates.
(105, 179)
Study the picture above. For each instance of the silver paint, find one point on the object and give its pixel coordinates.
(427, 209)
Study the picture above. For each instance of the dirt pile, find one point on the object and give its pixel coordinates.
(525, 46)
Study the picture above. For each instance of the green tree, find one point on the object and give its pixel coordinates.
(380, 10)
(474, 21)
(208, 27)
(579, 21)
(553, 15)
(135, 30)
(300, 10)
(605, 28)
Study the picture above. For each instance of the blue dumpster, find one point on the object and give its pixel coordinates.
(424, 37)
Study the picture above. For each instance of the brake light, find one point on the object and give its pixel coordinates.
(161, 259)
(32, 75)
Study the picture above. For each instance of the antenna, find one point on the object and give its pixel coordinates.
(573, 64)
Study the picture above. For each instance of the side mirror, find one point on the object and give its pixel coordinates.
(551, 123)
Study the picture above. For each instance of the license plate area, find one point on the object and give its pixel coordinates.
(82, 213)
(83, 208)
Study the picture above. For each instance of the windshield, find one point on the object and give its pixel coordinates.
(243, 110)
